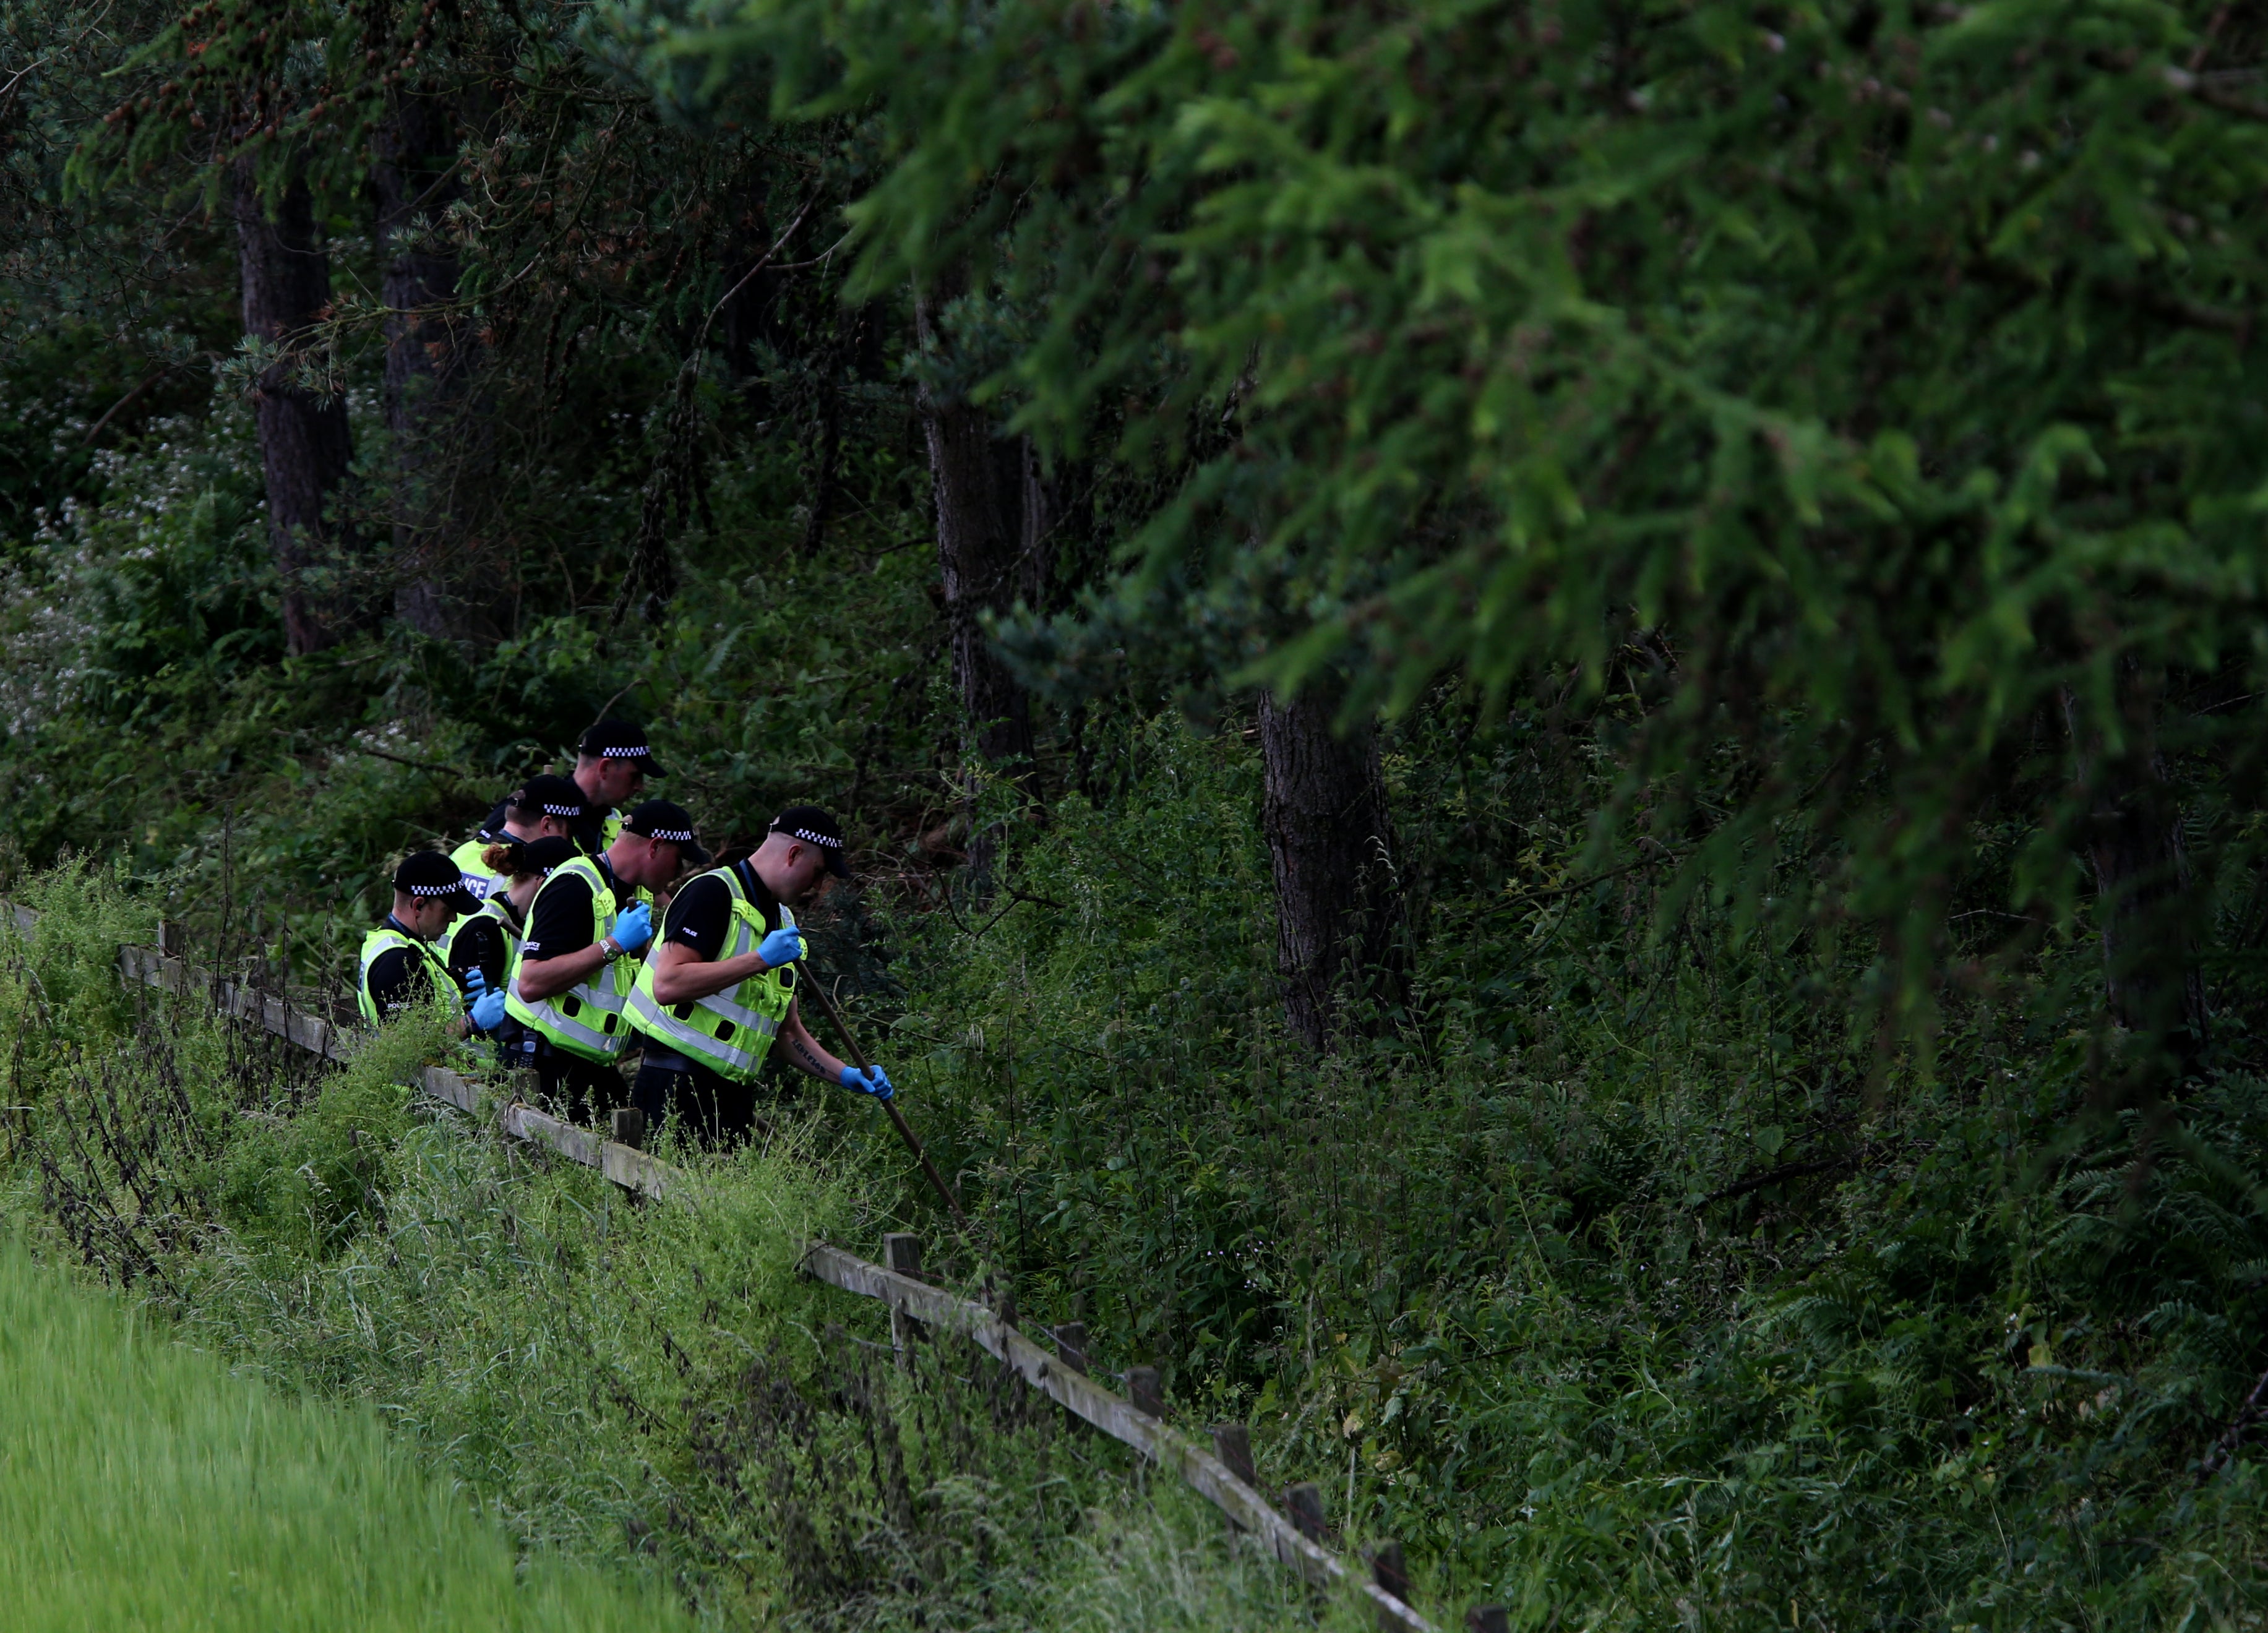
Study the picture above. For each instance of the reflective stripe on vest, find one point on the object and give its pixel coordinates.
(478, 880)
(382, 940)
(586, 1019)
(730, 1032)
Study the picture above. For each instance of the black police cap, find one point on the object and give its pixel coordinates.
(815, 828)
(619, 739)
(551, 796)
(427, 874)
(658, 819)
(553, 851)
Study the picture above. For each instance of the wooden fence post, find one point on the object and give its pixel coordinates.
(1143, 1389)
(1488, 1619)
(1304, 1504)
(1231, 1443)
(1071, 1344)
(1388, 1570)
(902, 1251)
(629, 1127)
(169, 940)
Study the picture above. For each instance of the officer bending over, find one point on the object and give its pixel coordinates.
(720, 988)
(479, 948)
(401, 965)
(541, 807)
(571, 982)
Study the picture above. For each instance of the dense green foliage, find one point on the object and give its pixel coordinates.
(649, 1386)
(1781, 485)
(1862, 387)
(1632, 1279)
(145, 1487)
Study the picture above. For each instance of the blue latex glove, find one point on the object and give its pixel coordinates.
(783, 945)
(874, 1081)
(488, 1010)
(477, 982)
(633, 927)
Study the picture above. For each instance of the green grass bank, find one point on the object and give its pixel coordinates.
(145, 1486)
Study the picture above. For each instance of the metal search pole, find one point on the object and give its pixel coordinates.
(898, 1118)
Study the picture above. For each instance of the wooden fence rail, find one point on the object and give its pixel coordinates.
(1223, 1476)
(626, 1165)
(1113, 1413)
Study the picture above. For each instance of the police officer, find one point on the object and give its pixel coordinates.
(611, 766)
(571, 982)
(720, 986)
(539, 808)
(401, 965)
(486, 944)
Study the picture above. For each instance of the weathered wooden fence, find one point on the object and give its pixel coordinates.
(1223, 1476)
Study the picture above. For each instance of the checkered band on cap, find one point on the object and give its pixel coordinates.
(566, 811)
(675, 835)
(821, 840)
(625, 751)
(437, 890)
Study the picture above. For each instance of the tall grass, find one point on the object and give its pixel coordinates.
(144, 1486)
(649, 1386)
(1629, 1280)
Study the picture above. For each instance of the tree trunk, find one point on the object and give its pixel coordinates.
(1042, 513)
(822, 462)
(431, 357)
(1338, 901)
(305, 445)
(2144, 908)
(980, 542)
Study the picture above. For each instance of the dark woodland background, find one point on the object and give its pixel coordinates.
(1550, 715)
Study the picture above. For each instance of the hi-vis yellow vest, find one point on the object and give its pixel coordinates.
(498, 907)
(730, 1032)
(478, 880)
(383, 940)
(586, 1019)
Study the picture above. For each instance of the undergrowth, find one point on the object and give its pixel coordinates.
(652, 1387)
(1636, 1276)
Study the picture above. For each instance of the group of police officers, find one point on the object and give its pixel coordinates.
(543, 926)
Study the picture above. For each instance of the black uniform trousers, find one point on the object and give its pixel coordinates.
(710, 1107)
(581, 1091)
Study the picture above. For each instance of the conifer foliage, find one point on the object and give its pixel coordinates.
(1867, 388)
(1549, 713)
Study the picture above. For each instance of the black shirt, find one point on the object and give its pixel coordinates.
(560, 921)
(700, 918)
(400, 978)
(481, 943)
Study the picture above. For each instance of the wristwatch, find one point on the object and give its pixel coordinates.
(610, 947)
